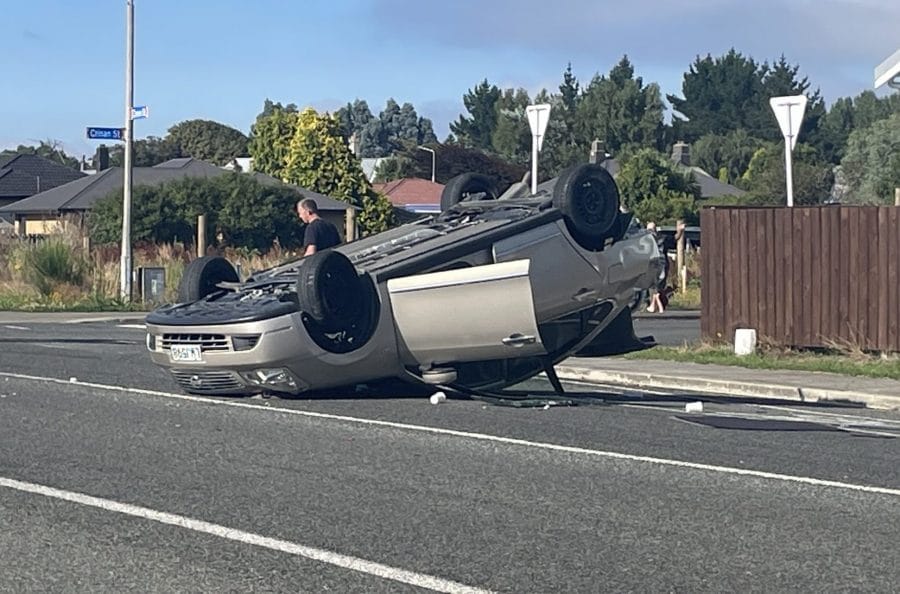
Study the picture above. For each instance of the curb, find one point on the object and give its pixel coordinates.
(690, 315)
(725, 388)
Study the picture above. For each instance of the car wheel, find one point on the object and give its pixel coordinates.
(467, 186)
(589, 199)
(201, 277)
(329, 289)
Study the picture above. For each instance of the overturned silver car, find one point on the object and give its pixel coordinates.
(493, 290)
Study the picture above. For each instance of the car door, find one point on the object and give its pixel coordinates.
(469, 314)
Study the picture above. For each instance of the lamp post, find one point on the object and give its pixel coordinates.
(125, 277)
(425, 148)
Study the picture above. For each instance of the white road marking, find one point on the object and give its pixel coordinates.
(135, 326)
(481, 437)
(51, 345)
(11, 327)
(321, 555)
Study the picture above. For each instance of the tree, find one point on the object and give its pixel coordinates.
(725, 156)
(511, 138)
(783, 79)
(765, 176)
(476, 130)
(835, 128)
(450, 161)
(871, 166)
(245, 213)
(654, 190)
(270, 138)
(146, 152)
(49, 149)
(208, 141)
(720, 95)
(395, 126)
(319, 160)
(619, 110)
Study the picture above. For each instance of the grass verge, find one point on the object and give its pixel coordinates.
(91, 303)
(856, 364)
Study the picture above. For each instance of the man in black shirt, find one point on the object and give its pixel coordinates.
(320, 234)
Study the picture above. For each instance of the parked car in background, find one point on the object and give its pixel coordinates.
(493, 290)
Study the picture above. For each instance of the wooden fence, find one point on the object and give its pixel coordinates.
(803, 276)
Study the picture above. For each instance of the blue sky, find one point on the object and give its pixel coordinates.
(63, 61)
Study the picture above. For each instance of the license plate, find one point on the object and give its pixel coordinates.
(185, 352)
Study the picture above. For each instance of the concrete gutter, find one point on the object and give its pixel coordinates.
(725, 388)
(66, 317)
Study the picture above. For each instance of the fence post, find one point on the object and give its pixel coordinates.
(350, 224)
(679, 256)
(201, 236)
(896, 196)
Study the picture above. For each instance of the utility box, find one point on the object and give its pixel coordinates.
(152, 284)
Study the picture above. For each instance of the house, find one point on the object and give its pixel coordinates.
(23, 175)
(710, 187)
(413, 194)
(44, 212)
(241, 164)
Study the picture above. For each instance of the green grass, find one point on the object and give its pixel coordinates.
(832, 362)
(690, 299)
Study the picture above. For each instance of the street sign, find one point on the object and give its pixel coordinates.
(538, 116)
(139, 112)
(106, 133)
(789, 113)
(888, 72)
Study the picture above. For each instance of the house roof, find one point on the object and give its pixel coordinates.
(411, 192)
(80, 195)
(710, 187)
(25, 175)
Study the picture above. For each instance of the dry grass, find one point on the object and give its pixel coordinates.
(99, 286)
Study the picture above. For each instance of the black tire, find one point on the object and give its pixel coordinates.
(329, 290)
(589, 198)
(201, 277)
(463, 186)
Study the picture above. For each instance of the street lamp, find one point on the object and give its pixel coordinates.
(125, 264)
(425, 148)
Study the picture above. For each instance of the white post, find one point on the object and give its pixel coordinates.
(125, 265)
(788, 172)
(789, 121)
(533, 112)
(788, 165)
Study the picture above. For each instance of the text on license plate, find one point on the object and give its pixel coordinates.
(185, 352)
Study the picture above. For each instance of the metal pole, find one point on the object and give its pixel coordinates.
(534, 157)
(125, 279)
(788, 169)
(788, 173)
(679, 255)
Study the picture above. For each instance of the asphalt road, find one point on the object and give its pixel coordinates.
(669, 331)
(114, 482)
